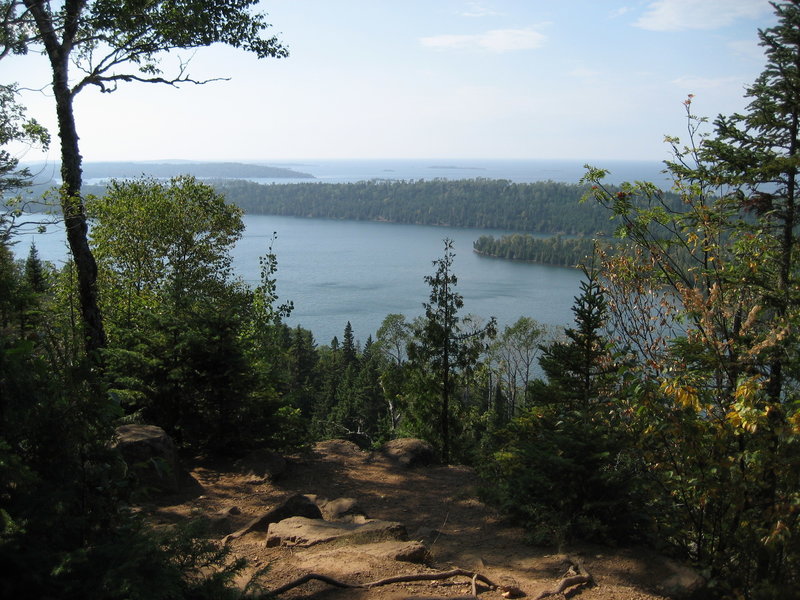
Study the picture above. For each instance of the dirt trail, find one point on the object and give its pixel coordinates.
(437, 505)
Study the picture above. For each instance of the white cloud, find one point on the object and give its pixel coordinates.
(496, 40)
(479, 9)
(679, 15)
(618, 12)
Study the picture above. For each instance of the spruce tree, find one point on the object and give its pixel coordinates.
(349, 350)
(440, 348)
(34, 271)
(577, 369)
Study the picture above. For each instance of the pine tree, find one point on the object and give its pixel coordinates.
(34, 271)
(440, 348)
(349, 350)
(577, 370)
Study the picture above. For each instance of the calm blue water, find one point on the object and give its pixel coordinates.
(336, 271)
(339, 271)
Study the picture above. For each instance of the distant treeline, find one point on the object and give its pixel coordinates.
(544, 207)
(541, 207)
(46, 176)
(549, 251)
(108, 170)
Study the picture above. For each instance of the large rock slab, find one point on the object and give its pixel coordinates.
(356, 559)
(410, 452)
(411, 552)
(300, 531)
(297, 505)
(150, 455)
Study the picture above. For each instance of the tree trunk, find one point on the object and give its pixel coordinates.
(77, 230)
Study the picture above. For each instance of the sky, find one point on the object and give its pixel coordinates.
(500, 79)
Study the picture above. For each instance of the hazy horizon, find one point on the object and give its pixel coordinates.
(451, 80)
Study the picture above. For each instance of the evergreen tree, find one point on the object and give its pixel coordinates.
(34, 271)
(349, 350)
(562, 464)
(578, 370)
(439, 347)
(303, 370)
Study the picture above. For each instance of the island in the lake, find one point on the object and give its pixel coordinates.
(204, 170)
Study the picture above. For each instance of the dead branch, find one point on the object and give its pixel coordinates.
(389, 580)
(576, 575)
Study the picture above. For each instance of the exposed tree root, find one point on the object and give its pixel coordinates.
(389, 580)
(310, 577)
(433, 577)
(576, 575)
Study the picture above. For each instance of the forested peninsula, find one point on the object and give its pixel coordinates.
(554, 250)
(108, 170)
(540, 207)
(544, 208)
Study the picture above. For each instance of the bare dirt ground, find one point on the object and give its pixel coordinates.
(437, 505)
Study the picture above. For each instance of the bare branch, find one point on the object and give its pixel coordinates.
(109, 83)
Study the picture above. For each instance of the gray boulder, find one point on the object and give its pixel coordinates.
(150, 456)
(411, 552)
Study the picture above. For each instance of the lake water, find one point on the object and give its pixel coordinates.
(336, 271)
(339, 271)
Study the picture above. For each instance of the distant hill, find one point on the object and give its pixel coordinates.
(218, 170)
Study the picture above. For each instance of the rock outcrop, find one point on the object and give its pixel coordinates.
(410, 452)
(151, 457)
(303, 532)
(297, 505)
